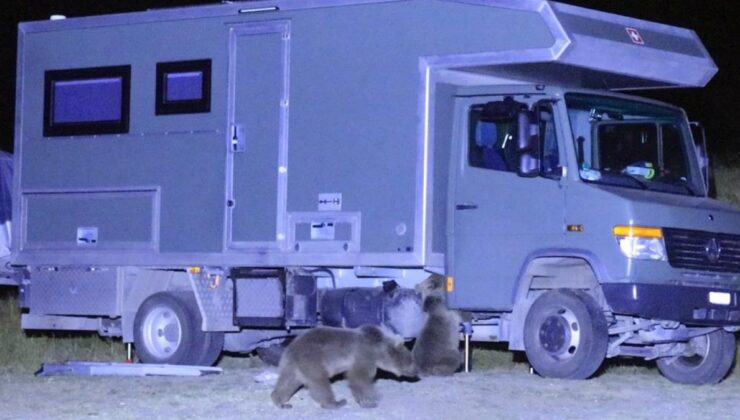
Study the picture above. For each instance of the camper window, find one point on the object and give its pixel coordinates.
(183, 87)
(86, 101)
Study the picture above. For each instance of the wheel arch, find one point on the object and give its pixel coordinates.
(553, 269)
(139, 285)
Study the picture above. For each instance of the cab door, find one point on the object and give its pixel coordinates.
(498, 218)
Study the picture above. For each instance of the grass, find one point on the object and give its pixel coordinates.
(727, 179)
(25, 352)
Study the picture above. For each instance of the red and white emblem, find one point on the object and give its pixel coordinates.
(635, 36)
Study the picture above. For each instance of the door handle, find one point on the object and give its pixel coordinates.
(466, 206)
(238, 138)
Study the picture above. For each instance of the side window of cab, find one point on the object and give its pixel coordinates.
(550, 164)
(492, 144)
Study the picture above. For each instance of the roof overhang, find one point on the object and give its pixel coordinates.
(598, 50)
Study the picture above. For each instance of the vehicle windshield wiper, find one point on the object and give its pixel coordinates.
(678, 184)
(618, 180)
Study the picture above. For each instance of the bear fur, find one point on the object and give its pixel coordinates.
(436, 351)
(314, 357)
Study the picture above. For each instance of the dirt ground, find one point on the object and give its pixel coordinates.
(507, 393)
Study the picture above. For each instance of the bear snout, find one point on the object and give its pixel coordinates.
(411, 371)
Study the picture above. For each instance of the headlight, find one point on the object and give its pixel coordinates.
(641, 243)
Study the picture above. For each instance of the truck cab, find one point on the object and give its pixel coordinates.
(586, 215)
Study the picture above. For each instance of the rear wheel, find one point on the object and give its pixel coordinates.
(211, 348)
(565, 335)
(711, 361)
(167, 331)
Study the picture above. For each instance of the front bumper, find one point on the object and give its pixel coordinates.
(687, 304)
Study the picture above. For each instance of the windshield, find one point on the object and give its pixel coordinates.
(632, 144)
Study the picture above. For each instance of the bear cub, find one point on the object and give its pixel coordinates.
(436, 351)
(314, 357)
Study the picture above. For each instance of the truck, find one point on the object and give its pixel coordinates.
(222, 177)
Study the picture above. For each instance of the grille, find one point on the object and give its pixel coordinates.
(688, 249)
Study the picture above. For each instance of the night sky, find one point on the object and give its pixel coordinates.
(717, 106)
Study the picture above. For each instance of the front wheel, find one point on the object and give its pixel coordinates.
(565, 335)
(711, 360)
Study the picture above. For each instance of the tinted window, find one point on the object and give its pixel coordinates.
(87, 101)
(622, 144)
(492, 145)
(550, 164)
(183, 87)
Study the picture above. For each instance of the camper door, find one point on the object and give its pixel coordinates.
(257, 135)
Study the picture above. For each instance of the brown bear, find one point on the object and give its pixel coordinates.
(436, 351)
(314, 357)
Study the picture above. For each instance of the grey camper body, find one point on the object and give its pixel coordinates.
(247, 166)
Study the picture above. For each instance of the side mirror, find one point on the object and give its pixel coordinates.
(700, 148)
(528, 145)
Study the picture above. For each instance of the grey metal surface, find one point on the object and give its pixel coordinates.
(215, 295)
(309, 232)
(260, 298)
(376, 148)
(259, 57)
(60, 322)
(58, 219)
(73, 291)
(81, 368)
(504, 227)
(667, 56)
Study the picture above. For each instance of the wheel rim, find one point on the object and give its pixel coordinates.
(162, 332)
(700, 345)
(560, 334)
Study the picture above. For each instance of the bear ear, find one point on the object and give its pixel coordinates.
(438, 282)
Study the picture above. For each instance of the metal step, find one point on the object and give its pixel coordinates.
(81, 368)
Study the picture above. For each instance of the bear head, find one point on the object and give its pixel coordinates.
(390, 352)
(434, 285)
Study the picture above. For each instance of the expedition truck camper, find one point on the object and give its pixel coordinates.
(220, 177)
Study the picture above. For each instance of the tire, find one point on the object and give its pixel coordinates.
(211, 349)
(565, 335)
(207, 349)
(715, 354)
(167, 330)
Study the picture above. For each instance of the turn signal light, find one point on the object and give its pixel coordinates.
(638, 231)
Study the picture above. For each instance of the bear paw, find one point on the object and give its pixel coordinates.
(367, 402)
(335, 404)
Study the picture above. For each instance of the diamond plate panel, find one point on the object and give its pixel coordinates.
(73, 292)
(215, 295)
(260, 298)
